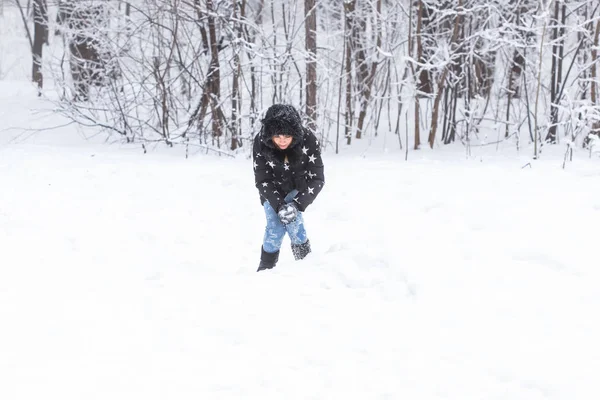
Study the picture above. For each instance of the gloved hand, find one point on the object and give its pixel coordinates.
(287, 213)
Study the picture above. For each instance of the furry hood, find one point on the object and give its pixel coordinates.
(282, 119)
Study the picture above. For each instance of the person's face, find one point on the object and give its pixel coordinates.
(282, 141)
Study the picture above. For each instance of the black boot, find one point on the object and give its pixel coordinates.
(267, 260)
(301, 250)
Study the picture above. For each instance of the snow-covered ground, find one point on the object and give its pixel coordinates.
(132, 276)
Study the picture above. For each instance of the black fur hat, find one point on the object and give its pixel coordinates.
(282, 119)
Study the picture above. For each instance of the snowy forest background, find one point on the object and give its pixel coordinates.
(131, 231)
(428, 72)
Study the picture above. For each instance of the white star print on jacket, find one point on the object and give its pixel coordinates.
(304, 171)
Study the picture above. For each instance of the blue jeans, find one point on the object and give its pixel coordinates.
(275, 230)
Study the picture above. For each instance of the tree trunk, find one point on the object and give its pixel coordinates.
(595, 129)
(452, 135)
(416, 73)
(250, 37)
(214, 74)
(367, 76)
(440, 86)
(594, 86)
(349, 8)
(235, 90)
(518, 62)
(40, 36)
(425, 85)
(514, 77)
(446, 117)
(555, 78)
(310, 25)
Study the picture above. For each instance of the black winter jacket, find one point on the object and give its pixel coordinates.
(278, 172)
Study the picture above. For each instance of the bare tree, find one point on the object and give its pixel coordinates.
(417, 72)
(40, 37)
(201, 72)
(425, 25)
(310, 24)
(349, 33)
(214, 73)
(595, 85)
(249, 29)
(442, 79)
(367, 70)
(237, 71)
(558, 49)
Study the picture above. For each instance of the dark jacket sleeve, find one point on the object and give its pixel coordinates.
(264, 177)
(315, 177)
